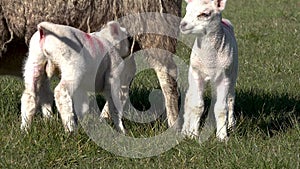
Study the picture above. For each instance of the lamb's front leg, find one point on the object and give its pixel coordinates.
(230, 102)
(194, 104)
(116, 115)
(221, 108)
(126, 77)
(112, 93)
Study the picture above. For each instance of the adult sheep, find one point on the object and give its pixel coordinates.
(18, 20)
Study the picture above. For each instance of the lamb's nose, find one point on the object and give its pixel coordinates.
(183, 24)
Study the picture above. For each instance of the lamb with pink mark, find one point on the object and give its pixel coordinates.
(214, 58)
(86, 62)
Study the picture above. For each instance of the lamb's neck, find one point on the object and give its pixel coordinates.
(213, 38)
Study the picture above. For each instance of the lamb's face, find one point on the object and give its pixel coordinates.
(117, 36)
(201, 16)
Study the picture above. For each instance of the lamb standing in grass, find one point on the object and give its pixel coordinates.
(86, 61)
(214, 58)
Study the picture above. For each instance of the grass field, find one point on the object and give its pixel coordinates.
(267, 107)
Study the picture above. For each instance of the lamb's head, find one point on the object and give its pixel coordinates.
(201, 16)
(117, 36)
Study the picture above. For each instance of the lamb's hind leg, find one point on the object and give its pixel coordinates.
(28, 108)
(64, 104)
(34, 76)
(34, 95)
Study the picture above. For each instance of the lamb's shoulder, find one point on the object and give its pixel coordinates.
(208, 59)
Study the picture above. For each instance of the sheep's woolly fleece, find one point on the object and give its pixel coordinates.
(19, 18)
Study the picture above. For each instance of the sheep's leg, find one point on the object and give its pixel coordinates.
(166, 71)
(38, 93)
(28, 108)
(114, 103)
(81, 103)
(64, 104)
(221, 108)
(123, 98)
(34, 74)
(230, 102)
(194, 104)
(105, 112)
(169, 88)
(116, 115)
(126, 77)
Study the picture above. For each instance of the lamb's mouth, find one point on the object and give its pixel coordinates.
(186, 30)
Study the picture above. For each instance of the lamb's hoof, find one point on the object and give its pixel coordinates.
(71, 127)
(121, 130)
(24, 128)
(190, 134)
(231, 127)
(105, 115)
(223, 138)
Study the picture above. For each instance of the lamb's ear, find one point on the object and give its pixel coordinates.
(220, 4)
(114, 28)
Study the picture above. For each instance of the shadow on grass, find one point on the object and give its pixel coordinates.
(255, 110)
(138, 98)
(269, 113)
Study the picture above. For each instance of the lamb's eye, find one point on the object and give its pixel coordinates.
(204, 15)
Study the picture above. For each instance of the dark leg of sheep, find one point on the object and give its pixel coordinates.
(169, 87)
(166, 70)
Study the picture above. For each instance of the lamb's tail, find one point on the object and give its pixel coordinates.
(49, 27)
(46, 28)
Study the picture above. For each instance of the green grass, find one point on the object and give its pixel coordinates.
(267, 107)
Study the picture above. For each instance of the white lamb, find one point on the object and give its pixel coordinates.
(85, 62)
(214, 58)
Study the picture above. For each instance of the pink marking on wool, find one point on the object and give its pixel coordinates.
(225, 23)
(92, 40)
(89, 39)
(228, 26)
(100, 44)
(190, 1)
(42, 37)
